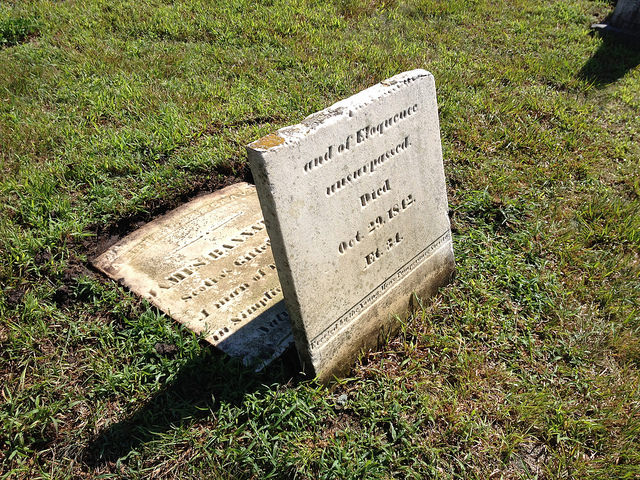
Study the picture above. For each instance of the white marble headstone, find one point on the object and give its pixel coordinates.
(355, 204)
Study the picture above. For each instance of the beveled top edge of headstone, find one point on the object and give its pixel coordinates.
(344, 108)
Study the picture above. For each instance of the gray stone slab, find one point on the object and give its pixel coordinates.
(625, 19)
(355, 204)
(208, 264)
(626, 16)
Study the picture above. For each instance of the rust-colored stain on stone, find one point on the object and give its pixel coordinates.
(268, 141)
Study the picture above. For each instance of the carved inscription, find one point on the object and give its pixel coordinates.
(268, 299)
(391, 213)
(385, 243)
(206, 284)
(181, 274)
(367, 198)
(374, 225)
(355, 202)
(346, 245)
(234, 294)
(279, 318)
(372, 296)
(204, 263)
(370, 131)
(329, 154)
(233, 242)
(368, 168)
(230, 300)
(361, 135)
(220, 333)
(252, 254)
(379, 251)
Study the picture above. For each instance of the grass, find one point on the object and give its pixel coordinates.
(525, 367)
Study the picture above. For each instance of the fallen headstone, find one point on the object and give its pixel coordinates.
(355, 204)
(208, 264)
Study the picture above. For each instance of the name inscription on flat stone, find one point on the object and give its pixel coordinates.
(209, 265)
(355, 203)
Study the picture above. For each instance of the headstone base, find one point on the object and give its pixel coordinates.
(377, 325)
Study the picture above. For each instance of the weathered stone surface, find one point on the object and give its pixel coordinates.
(208, 264)
(625, 19)
(355, 204)
(626, 16)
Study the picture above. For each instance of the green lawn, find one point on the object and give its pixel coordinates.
(527, 366)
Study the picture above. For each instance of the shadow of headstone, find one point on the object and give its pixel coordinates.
(198, 389)
(613, 59)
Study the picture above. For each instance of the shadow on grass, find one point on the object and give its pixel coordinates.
(616, 56)
(199, 388)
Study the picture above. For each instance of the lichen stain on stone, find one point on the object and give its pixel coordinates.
(268, 141)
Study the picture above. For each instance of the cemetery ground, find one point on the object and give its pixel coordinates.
(526, 366)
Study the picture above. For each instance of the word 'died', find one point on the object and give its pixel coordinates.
(375, 194)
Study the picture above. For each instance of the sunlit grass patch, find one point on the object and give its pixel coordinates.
(526, 366)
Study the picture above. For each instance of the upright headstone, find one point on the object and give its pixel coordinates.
(355, 204)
